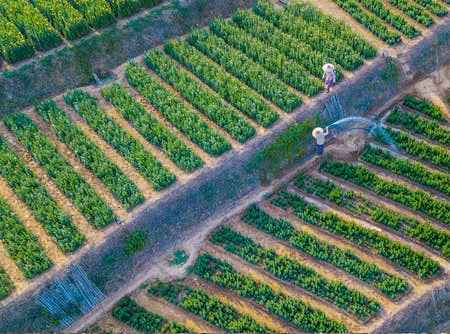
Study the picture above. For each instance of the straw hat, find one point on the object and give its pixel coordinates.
(328, 67)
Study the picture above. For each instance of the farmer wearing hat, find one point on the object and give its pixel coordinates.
(319, 135)
(329, 76)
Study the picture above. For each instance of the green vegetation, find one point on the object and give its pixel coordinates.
(362, 207)
(91, 155)
(424, 106)
(391, 286)
(133, 151)
(134, 242)
(6, 285)
(179, 257)
(292, 271)
(69, 181)
(28, 188)
(414, 199)
(137, 317)
(176, 112)
(292, 310)
(210, 309)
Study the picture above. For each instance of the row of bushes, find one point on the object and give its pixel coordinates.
(302, 53)
(69, 181)
(394, 251)
(253, 74)
(176, 112)
(292, 271)
(419, 125)
(120, 139)
(271, 59)
(370, 21)
(206, 101)
(392, 286)
(231, 89)
(433, 6)
(314, 35)
(6, 285)
(31, 23)
(209, 308)
(27, 187)
(413, 11)
(137, 317)
(66, 19)
(14, 46)
(91, 155)
(292, 310)
(414, 199)
(414, 171)
(334, 26)
(151, 129)
(21, 245)
(379, 9)
(360, 206)
(419, 149)
(424, 106)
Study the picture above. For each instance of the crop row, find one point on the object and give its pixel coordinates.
(14, 46)
(420, 149)
(370, 21)
(176, 112)
(363, 208)
(209, 308)
(271, 59)
(411, 170)
(209, 103)
(151, 129)
(315, 36)
(414, 199)
(21, 245)
(413, 11)
(292, 310)
(38, 23)
(391, 250)
(433, 6)
(392, 286)
(334, 26)
(137, 317)
(28, 188)
(231, 89)
(379, 9)
(62, 173)
(6, 285)
(66, 19)
(300, 52)
(31, 23)
(253, 74)
(419, 125)
(424, 106)
(290, 270)
(91, 155)
(120, 139)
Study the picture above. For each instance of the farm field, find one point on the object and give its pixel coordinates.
(341, 247)
(28, 27)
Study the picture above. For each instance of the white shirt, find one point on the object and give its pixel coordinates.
(319, 134)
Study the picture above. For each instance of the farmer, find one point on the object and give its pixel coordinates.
(329, 76)
(319, 134)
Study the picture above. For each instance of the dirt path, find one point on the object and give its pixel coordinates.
(110, 325)
(79, 167)
(325, 269)
(172, 312)
(63, 202)
(285, 288)
(242, 305)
